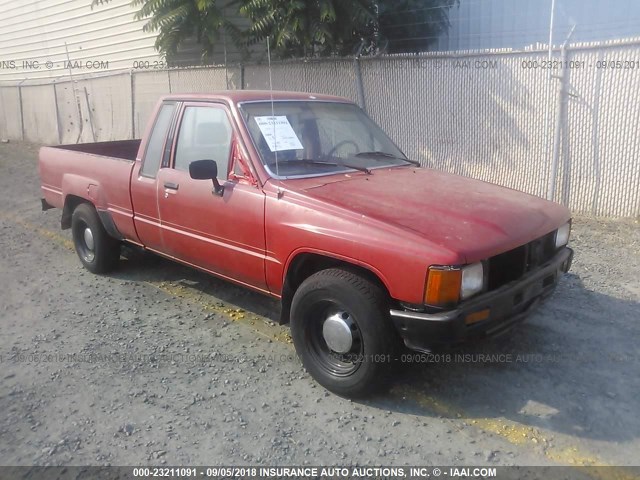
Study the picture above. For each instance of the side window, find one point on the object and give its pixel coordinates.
(153, 155)
(205, 134)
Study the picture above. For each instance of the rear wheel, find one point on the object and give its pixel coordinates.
(342, 332)
(97, 251)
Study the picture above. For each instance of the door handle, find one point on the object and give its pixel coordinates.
(171, 186)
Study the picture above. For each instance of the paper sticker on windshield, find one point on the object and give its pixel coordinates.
(278, 133)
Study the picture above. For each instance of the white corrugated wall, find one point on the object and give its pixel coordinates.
(33, 34)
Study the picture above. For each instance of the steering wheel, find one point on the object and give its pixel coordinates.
(341, 144)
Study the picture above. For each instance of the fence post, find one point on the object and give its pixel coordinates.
(55, 101)
(242, 76)
(21, 109)
(557, 134)
(359, 84)
(3, 117)
(560, 114)
(133, 105)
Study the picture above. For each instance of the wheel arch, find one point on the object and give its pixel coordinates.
(71, 202)
(302, 264)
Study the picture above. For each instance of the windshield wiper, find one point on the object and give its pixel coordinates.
(387, 155)
(311, 161)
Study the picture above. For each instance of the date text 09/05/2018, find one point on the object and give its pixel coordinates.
(313, 472)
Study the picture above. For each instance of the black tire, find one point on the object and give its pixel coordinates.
(365, 368)
(103, 255)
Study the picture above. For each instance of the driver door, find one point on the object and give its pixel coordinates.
(222, 234)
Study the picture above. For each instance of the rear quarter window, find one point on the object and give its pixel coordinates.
(153, 155)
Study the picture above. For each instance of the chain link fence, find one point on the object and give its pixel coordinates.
(501, 116)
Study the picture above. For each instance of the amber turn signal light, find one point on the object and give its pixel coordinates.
(476, 317)
(443, 286)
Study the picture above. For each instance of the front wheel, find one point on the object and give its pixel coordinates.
(98, 251)
(342, 332)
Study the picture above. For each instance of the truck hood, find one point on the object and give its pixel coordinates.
(468, 217)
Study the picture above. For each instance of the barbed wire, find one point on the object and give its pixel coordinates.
(513, 33)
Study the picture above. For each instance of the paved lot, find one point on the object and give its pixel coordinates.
(157, 363)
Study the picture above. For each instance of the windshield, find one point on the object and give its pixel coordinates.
(315, 138)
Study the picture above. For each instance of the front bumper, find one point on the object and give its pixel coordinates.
(507, 305)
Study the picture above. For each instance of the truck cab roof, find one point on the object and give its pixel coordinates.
(239, 96)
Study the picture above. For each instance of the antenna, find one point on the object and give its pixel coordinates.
(273, 115)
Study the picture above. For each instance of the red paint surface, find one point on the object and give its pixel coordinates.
(395, 222)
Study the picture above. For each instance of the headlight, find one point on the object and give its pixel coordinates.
(472, 280)
(562, 235)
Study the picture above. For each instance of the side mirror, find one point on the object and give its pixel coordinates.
(206, 170)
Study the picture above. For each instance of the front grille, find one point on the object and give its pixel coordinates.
(512, 265)
(507, 267)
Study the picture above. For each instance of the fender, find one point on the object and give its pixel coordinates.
(287, 290)
(75, 190)
(85, 188)
(335, 256)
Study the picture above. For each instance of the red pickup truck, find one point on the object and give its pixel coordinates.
(304, 198)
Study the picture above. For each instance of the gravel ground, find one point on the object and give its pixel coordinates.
(159, 364)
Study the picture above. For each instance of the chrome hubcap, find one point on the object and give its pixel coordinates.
(88, 239)
(337, 332)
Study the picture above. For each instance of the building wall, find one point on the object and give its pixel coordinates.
(102, 38)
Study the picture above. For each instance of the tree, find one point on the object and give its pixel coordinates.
(299, 28)
(177, 21)
(343, 27)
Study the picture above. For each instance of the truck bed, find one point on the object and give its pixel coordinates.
(99, 172)
(123, 149)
